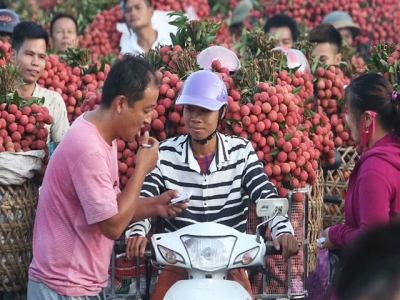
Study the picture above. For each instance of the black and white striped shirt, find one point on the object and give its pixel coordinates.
(221, 196)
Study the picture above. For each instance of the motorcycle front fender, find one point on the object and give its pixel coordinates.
(207, 289)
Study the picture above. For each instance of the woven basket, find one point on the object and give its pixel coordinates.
(17, 215)
(336, 184)
(315, 209)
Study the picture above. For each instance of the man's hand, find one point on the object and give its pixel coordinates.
(147, 155)
(136, 246)
(167, 210)
(290, 245)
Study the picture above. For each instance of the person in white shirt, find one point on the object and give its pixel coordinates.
(143, 35)
(28, 52)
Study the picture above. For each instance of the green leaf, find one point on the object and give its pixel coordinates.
(288, 177)
(102, 67)
(229, 121)
(93, 70)
(29, 102)
(301, 128)
(176, 13)
(178, 23)
(309, 100)
(288, 137)
(297, 90)
(41, 101)
(274, 152)
(275, 135)
(16, 99)
(308, 113)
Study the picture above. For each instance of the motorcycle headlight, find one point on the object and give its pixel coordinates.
(209, 254)
(170, 256)
(247, 257)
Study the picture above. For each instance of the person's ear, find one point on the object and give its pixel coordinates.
(119, 104)
(75, 42)
(338, 58)
(368, 119)
(14, 54)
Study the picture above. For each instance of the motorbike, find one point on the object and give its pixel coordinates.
(209, 250)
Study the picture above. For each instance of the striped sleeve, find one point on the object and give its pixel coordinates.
(140, 228)
(152, 186)
(255, 180)
(258, 187)
(280, 225)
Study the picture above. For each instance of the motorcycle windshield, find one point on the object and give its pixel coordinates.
(209, 253)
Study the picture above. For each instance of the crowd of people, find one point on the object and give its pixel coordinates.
(81, 209)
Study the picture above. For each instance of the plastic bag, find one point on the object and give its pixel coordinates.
(16, 168)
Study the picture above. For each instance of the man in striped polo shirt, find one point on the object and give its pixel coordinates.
(221, 172)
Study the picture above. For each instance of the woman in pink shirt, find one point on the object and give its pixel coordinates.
(373, 195)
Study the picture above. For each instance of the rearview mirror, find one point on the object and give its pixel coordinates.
(267, 208)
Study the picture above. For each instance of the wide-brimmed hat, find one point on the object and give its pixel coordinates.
(341, 20)
(226, 57)
(241, 11)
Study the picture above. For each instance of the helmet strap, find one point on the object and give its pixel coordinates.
(204, 141)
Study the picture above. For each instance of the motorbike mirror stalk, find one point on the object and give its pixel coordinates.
(269, 209)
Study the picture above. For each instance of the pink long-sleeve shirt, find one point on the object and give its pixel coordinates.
(373, 195)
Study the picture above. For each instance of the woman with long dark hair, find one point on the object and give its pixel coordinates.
(373, 195)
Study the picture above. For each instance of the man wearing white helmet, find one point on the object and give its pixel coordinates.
(221, 172)
(8, 20)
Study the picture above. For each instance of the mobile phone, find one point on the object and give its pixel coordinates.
(182, 197)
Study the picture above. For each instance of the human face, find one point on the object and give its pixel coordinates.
(133, 118)
(5, 37)
(30, 59)
(283, 36)
(347, 36)
(138, 14)
(64, 35)
(327, 54)
(199, 121)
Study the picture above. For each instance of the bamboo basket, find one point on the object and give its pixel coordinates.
(315, 209)
(336, 183)
(17, 214)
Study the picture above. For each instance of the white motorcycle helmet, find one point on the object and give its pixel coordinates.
(295, 58)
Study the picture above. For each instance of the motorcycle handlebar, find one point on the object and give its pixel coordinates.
(147, 253)
(332, 199)
(270, 250)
